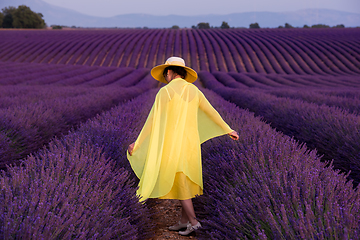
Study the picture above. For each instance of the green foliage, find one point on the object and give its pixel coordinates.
(306, 26)
(287, 25)
(8, 10)
(7, 21)
(22, 17)
(339, 26)
(254, 25)
(320, 26)
(203, 25)
(56, 27)
(175, 27)
(224, 25)
(1, 19)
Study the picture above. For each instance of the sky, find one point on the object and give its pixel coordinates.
(110, 8)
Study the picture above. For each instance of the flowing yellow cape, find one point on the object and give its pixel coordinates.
(180, 119)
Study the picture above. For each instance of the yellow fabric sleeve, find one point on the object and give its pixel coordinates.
(211, 123)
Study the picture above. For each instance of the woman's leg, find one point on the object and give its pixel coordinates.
(188, 210)
(184, 216)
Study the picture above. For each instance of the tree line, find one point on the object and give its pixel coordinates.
(225, 25)
(21, 17)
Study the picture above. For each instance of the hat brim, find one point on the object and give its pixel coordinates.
(157, 73)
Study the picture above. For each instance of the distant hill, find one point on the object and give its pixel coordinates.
(67, 17)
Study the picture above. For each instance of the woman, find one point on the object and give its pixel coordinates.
(166, 156)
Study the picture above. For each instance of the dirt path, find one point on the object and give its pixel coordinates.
(167, 213)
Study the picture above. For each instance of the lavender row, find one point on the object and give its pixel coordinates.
(340, 57)
(268, 186)
(10, 69)
(88, 170)
(39, 74)
(346, 93)
(153, 51)
(169, 44)
(262, 159)
(329, 61)
(28, 127)
(123, 126)
(131, 50)
(148, 45)
(285, 57)
(108, 131)
(235, 204)
(302, 54)
(242, 61)
(202, 54)
(272, 51)
(67, 75)
(193, 52)
(71, 191)
(289, 60)
(293, 81)
(226, 62)
(352, 105)
(210, 53)
(332, 131)
(11, 96)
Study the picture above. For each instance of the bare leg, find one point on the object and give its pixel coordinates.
(184, 217)
(188, 209)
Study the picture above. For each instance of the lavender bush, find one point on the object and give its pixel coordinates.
(264, 186)
(237, 174)
(28, 127)
(268, 186)
(11, 96)
(81, 174)
(347, 93)
(152, 54)
(117, 59)
(114, 130)
(105, 54)
(297, 51)
(70, 191)
(352, 105)
(76, 80)
(332, 131)
(109, 78)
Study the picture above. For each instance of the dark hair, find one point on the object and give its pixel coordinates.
(177, 70)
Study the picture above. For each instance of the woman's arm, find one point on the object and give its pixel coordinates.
(234, 135)
(131, 148)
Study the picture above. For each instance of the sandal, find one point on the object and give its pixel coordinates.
(179, 226)
(190, 229)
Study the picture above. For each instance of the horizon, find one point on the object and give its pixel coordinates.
(214, 14)
(267, 18)
(111, 8)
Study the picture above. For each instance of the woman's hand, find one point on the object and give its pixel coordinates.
(234, 135)
(131, 148)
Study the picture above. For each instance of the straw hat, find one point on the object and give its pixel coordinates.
(157, 72)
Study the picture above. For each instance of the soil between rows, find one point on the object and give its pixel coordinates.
(166, 213)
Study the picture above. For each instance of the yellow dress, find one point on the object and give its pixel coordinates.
(167, 155)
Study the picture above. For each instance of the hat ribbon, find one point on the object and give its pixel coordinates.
(175, 62)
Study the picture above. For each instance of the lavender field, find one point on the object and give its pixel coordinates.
(72, 101)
